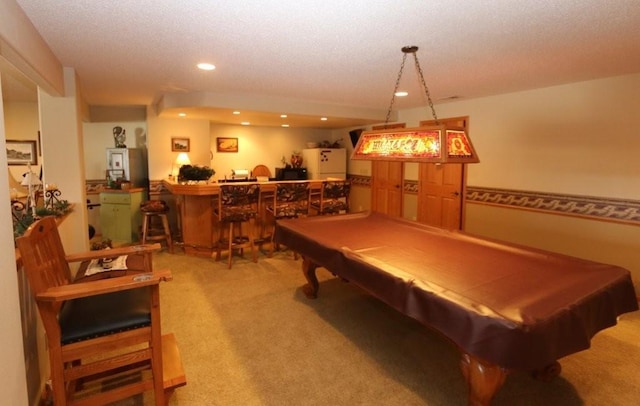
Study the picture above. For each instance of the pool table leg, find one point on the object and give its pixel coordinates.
(483, 379)
(310, 290)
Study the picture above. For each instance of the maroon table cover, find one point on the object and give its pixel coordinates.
(514, 306)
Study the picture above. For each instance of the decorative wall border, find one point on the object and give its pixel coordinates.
(156, 187)
(94, 186)
(600, 208)
(359, 180)
(608, 209)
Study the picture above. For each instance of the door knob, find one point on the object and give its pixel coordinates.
(456, 193)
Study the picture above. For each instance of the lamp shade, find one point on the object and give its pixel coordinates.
(30, 178)
(183, 159)
(437, 144)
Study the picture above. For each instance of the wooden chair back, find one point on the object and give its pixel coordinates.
(291, 199)
(238, 202)
(334, 197)
(43, 257)
(261, 170)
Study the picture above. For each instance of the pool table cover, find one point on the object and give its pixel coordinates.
(513, 306)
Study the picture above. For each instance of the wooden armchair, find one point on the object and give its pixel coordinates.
(100, 328)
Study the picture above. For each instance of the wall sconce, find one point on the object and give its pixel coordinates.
(438, 144)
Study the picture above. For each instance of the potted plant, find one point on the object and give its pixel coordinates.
(194, 173)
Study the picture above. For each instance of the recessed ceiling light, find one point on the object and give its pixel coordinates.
(182, 114)
(206, 66)
(401, 94)
(283, 116)
(236, 112)
(323, 119)
(285, 125)
(245, 123)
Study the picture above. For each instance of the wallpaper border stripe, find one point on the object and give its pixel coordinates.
(600, 208)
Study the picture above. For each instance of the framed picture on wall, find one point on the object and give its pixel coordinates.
(22, 152)
(226, 144)
(180, 144)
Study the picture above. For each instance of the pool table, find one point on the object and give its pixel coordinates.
(505, 306)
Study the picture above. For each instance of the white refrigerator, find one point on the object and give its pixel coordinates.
(323, 163)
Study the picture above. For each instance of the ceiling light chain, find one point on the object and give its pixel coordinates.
(395, 89)
(412, 50)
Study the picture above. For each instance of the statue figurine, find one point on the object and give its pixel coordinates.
(119, 136)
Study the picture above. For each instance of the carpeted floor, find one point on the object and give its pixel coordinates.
(248, 336)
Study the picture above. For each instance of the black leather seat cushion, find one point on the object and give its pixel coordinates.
(89, 317)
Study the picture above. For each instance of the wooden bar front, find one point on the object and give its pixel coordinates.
(194, 203)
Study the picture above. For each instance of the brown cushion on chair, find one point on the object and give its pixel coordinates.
(95, 316)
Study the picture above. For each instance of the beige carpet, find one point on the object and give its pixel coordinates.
(248, 336)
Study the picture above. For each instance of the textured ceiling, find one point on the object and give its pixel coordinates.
(304, 57)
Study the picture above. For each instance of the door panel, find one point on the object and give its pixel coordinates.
(386, 189)
(440, 187)
(440, 195)
(387, 178)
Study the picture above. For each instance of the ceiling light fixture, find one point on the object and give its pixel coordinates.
(236, 112)
(283, 116)
(182, 114)
(245, 123)
(285, 125)
(401, 94)
(323, 119)
(206, 66)
(439, 143)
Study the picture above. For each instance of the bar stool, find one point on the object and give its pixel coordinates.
(156, 210)
(236, 206)
(290, 200)
(334, 198)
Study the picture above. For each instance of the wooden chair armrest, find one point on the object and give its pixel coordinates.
(113, 252)
(92, 288)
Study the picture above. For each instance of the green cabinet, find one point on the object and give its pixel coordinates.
(120, 217)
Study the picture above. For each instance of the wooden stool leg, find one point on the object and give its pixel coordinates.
(252, 241)
(145, 227)
(230, 243)
(220, 240)
(167, 232)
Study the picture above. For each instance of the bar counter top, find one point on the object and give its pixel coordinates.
(212, 188)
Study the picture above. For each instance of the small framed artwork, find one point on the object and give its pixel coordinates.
(22, 152)
(226, 144)
(180, 144)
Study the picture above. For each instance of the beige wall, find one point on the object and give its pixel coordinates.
(574, 139)
(260, 146)
(22, 123)
(159, 134)
(11, 353)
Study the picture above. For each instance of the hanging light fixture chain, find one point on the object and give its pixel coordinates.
(395, 89)
(426, 89)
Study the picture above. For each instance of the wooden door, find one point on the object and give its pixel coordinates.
(386, 187)
(441, 187)
(387, 178)
(440, 195)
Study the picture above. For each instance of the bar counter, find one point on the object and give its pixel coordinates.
(194, 204)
